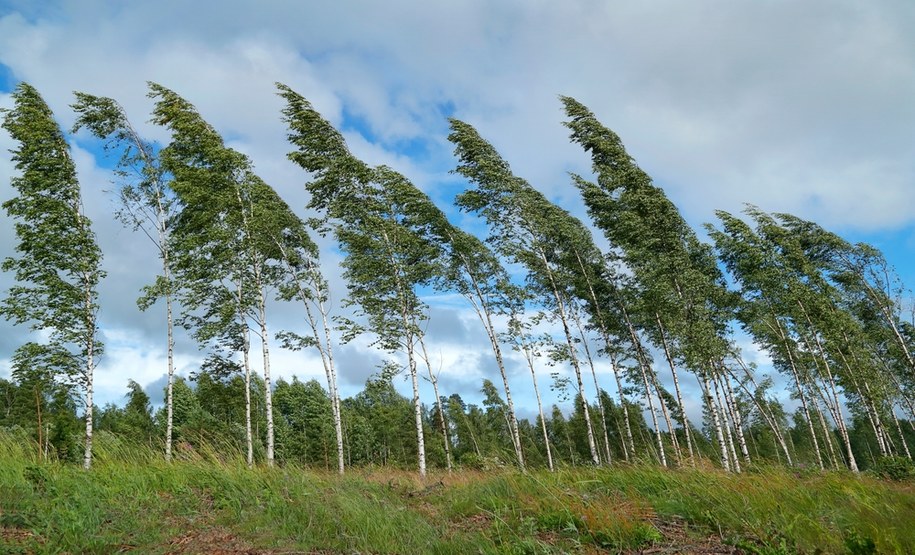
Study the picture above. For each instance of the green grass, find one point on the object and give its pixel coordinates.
(133, 501)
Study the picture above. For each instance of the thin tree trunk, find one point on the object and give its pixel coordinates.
(833, 413)
(891, 320)
(770, 419)
(38, 414)
(169, 394)
(485, 314)
(87, 454)
(667, 420)
(417, 408)
(738, 418)
(624, 404)
(560, 305)
(827, 437)
(881, 429)
(710, 401)
(728, 425)
(438, 403)
(874, 419)
(90, 367)
(684, 419)
(318, 294)
(800, 391)
(662, 457)
(408, 318)
(244, 323)
(164, 251)
(840, 421)
(249, 442)
(331, 372)
(905, 400)
(613, 364)
(644, 368)
(268, 394)
(905, 444)
(600, 403)
(161, 217)
(883, 439)
(529, 357)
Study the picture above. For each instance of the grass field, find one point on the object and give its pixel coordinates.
(132, 501)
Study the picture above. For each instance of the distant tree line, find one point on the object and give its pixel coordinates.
(657, 306)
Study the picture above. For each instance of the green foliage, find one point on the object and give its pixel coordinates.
(894, 468)
(57, 267)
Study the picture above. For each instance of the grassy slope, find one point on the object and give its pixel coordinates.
(132, 501)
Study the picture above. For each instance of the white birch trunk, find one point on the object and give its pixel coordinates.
(728, 425)
(884, 443)
(87, 454)
(90, 366)
(249, 442)
(624, 405)
(674, 443)
(484, 314)
(827, 437)
(905, 444)
(684, 419)
(600, 403)
(245, 349)
(644, 368)
(318, 293)
(331, 372)
(770, 420)
(438, 403)
(169, 394)
(529, 357)
(417, 409)
(560, 305)
(839, 419)
(800, 392)
(268, 393)
(738, 418)
(662, 456)
(710, 401)
(891, 320)
(613, 364)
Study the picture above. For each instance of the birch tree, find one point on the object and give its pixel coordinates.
(58, 263)
(146, 203)
(306, 284)
(226, 257)
(372, 214)
(685, 302)
(525, 228)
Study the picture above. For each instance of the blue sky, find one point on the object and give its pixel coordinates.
(797, 107)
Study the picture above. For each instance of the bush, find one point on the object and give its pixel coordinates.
(894, 468)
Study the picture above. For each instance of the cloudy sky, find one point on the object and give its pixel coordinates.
(804, 107)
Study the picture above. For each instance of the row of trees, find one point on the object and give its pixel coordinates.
(209, 416)
(828, 313)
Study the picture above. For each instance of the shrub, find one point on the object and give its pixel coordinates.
(894, 468)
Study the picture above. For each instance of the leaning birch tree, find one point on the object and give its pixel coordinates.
(146, 203)
(525, 228)
(371, 213)
(226, 261)
(57, 267)
(685, 303)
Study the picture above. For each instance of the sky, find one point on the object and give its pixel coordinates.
(800, 107)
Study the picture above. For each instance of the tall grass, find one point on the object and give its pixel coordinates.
(133, 500)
